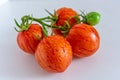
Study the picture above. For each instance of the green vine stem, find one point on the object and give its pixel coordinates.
(40, 20)
(44, 22)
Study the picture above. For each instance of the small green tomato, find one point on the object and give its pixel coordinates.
(93, 18)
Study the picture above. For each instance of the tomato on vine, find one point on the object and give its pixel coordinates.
(29, 35)
(54, 53)
(93, 18)
(84, 40)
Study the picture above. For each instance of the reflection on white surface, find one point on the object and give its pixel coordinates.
(3, 2)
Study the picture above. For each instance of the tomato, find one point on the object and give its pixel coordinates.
(28, 40)
(93, 18)
(54, 53)
(65, 14)
(84, 40)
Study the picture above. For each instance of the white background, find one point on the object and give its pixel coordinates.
(104, 65)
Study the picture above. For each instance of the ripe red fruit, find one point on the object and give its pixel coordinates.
(65, 14)
(28, 40)
(54, 53)
(84, 40)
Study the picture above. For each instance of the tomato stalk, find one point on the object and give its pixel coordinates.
(40, 20)
(26, 22)
(67, 30)
(44, 22)
(64, 29)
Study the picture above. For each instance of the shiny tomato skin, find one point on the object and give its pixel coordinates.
(28, 40)
(54, 54)
(84, 40)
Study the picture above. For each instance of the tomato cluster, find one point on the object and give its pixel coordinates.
(73, 34)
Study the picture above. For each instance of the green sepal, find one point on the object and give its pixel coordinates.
(49, 13)
(17, 23)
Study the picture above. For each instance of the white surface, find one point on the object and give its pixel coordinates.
(2, 2)
(104, 65)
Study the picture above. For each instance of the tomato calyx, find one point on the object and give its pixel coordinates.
(24, 25)
(53, 19)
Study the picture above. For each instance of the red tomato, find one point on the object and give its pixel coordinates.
(28, 40)
(84, 40)
(54, 53)
(65, 14)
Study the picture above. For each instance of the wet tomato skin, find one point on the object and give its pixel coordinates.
(27, 40)
(84, 40)
(54, 54)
